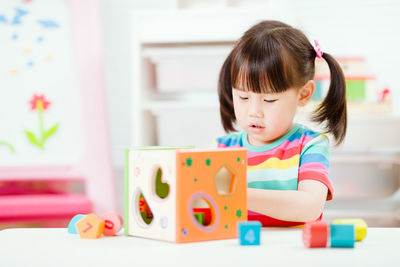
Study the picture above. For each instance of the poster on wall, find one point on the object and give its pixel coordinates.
(40, 99)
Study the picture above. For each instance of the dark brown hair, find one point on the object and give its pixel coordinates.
(272, 57)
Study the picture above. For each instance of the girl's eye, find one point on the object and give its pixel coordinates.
(243, 97)
(270, 101)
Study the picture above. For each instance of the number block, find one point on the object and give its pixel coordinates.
(249, 233)
(90, 226)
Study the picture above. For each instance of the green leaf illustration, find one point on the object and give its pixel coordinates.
(8, 145)
(50, 132)
(32, 138)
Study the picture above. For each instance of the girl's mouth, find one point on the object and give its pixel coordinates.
(256, 128)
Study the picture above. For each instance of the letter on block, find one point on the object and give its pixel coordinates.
(342, 236)
(72, 224)
(359, 224)
(112, 223)
(90, 226)
(249, 233)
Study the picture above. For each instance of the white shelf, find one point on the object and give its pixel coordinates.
(159, 106)
(209, 49)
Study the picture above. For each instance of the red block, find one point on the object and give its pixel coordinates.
(315, 234)
(207, 214)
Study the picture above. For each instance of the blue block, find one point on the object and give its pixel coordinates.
(72, 224)
(249, 233)
(342, 236)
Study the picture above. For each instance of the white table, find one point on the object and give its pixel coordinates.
(279, 246)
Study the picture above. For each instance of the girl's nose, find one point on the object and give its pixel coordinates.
(256, 110)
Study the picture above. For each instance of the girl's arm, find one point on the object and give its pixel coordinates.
(302, 205)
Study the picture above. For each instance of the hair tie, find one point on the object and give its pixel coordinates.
(317, 49)
(238, 41)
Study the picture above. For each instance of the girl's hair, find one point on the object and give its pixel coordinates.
(272, 57)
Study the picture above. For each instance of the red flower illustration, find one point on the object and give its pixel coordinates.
(39, 102)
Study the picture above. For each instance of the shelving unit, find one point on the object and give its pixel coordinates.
(184, 34)
(157, 111)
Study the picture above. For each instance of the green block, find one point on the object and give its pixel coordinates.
(355, 90)
(200, 217)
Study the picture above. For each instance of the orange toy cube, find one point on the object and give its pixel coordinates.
(167, 188)
(90, 226)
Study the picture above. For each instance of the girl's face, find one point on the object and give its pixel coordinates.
(265, 117)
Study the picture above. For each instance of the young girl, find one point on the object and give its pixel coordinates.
(267, 75)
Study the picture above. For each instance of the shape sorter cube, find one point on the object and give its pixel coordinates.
(185, 195)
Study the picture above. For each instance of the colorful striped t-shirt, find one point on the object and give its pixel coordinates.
(301, 154)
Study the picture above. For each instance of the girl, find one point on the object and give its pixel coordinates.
(267, 75)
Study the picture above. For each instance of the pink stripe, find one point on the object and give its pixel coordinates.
(285, 145)
(225, 146)
(314, 167)
(281, 154)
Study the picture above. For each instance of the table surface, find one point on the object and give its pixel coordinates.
(279, 246)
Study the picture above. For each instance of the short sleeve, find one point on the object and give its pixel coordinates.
(314, 162)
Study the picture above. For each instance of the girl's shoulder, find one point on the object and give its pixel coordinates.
(230, 140)
(310, 138)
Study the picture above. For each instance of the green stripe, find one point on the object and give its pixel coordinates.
(126, 193)
(274, 184)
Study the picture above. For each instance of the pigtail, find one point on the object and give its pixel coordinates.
(225, 96)
(333, 108)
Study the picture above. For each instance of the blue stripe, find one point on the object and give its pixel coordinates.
(275, 184)
(230, 140)
(299, 134)
(314, 158)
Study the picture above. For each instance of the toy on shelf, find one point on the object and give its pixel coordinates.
(185, 195)
(249, 233)
(342, 233)
(92, 226)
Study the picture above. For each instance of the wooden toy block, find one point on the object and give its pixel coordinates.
(315, 234)
(359, 224)
(90, 226)
(174, 185)
(112, 223)
(72, 224)
(342, 235)
(200, 217)
(249, 233)
(207, 214)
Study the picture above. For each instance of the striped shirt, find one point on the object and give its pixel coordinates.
(301, 154)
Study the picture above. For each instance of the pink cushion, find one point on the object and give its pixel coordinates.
(43, 205)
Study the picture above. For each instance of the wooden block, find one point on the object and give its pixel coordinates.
(72, 224)
(315, 234)
(249, 233)
(200, 217)
(342, 236)
(90, 226)
(112, 223)
(359, 224)
(206, 212)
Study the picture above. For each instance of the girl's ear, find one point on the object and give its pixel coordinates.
(305, 93)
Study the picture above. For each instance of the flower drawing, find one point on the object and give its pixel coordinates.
(40, 104)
